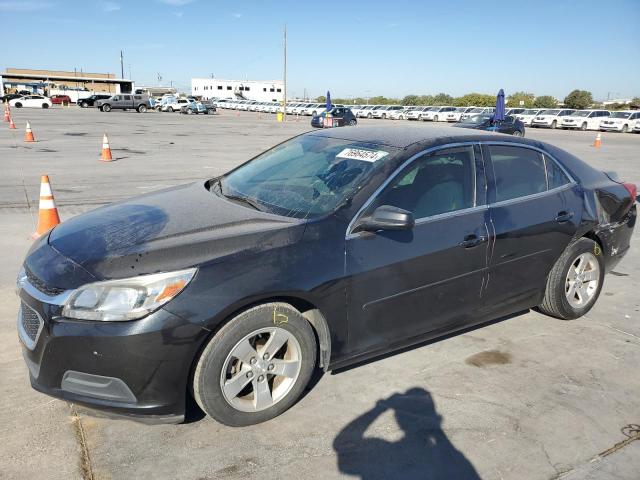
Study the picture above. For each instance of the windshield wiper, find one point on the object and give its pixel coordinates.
(217, 185)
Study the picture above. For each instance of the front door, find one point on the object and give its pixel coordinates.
(404, 284)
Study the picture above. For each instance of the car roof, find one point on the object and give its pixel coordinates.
(405, 136)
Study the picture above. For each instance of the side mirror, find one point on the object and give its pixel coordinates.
(387, 217)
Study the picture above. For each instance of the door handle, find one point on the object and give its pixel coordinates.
(472, 241)
(564, 216)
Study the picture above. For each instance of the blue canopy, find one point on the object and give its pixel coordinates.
(328, 101)
(499, 114)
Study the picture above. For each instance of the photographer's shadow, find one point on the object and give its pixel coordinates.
(424, 452)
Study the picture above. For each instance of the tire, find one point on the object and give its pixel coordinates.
(369, 115)
(419, 118)
(556, 301)
(435, 119)
(517, 133)
(189, 111)
(106, 107)
(18, 105)
(84, 105)
(142, 108)
(353, 122)
(625, 129)
(45, 105)
(384, 116)
(213, 366)
(170, 109)
(583, 127)
(554, 125)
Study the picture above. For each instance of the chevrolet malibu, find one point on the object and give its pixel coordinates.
(327, 250)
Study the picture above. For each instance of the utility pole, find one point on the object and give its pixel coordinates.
(121, 65)
(284, 118)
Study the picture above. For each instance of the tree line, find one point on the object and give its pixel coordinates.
(578, 99)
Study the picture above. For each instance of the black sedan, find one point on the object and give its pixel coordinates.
(90, 101)
(341, 117)
(510, 125)
(331, 248)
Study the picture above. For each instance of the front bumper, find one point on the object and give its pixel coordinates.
(617, 128)
(138, 368)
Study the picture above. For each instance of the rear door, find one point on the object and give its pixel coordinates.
(405, 284)
(534, 209)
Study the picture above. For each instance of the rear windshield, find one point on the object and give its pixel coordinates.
(306, 177)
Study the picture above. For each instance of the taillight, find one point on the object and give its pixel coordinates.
(632, 189)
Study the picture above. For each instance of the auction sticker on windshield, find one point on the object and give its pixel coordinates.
(359, 154)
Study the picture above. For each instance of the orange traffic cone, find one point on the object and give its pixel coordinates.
(28, 134)
(106, 150)
(48, 214)
(12, 125)
(7, 114)
(598, 141)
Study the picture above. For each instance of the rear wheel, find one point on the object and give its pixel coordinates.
(256, 366)
(583, 127)
(353, 122)
(517, 133)
(435, 119)
(45, 105)
(142, 108)
(625, 128)
(169, 109)
(575, 282)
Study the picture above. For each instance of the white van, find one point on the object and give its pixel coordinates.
(585, 119)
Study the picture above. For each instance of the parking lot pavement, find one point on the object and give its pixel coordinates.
(525, 397)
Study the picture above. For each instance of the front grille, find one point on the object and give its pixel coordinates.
(30, 321)
(40, 285)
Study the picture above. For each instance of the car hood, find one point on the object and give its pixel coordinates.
(168, 230)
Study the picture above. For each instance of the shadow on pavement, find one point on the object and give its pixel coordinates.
(424, 452)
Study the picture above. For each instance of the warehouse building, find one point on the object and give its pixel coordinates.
(52, 82)
(263, 91)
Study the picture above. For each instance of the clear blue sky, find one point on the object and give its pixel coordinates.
(353, 48)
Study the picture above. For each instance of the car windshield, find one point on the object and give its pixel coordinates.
(550, 112)
(478, 119)
(306, 177)
(620, 115)
(477, 110)
(530, 112)
(581, 113)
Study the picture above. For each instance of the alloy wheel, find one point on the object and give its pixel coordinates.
(261, 369)
(581, 284)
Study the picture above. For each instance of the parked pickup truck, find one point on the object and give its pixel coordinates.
(124, 102)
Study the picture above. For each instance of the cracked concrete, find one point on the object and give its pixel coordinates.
(559, 394)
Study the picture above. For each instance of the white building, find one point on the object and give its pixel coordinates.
(263, 91)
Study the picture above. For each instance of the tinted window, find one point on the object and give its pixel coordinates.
(518, 172)
(555, 176)
(439, 182)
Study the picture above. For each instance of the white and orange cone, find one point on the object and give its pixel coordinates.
(28, 134)
(7, 113)
(105, 156)
(598, 141)
(48, 213)
(12, 125)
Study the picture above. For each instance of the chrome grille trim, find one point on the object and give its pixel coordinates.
(30, 325)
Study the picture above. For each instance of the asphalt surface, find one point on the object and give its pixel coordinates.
(524, 397)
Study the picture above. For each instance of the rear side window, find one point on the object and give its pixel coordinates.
(439, 182)
(555, 176)
(518, 172)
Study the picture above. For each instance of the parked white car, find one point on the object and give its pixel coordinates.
(551, 118)
(585, 119)
(620, 121)
(367, 111)
(417, 112)
(31, 101)
(636, 127)
(314, 109)
(385, 110)
(514, 111)
(175, 105)
(472, 112)
(456, 114)
(400, 114)
(528, 115)
(437, 114)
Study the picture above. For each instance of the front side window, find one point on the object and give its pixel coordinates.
(436, 183)
(306, 177)
(518, 172)
(555, 176)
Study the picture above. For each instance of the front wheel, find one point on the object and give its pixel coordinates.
(106, 108)
(353, 122)
(583, 127)
(256, 366)
(84, 104)
(18, 105)
(45, 105)
(435, 119)
(625, 129)
(517, 133)
(575, 282)
(169, 109)
(142, 108)
(554, 124)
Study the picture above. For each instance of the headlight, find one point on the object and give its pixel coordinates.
(126, 299)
